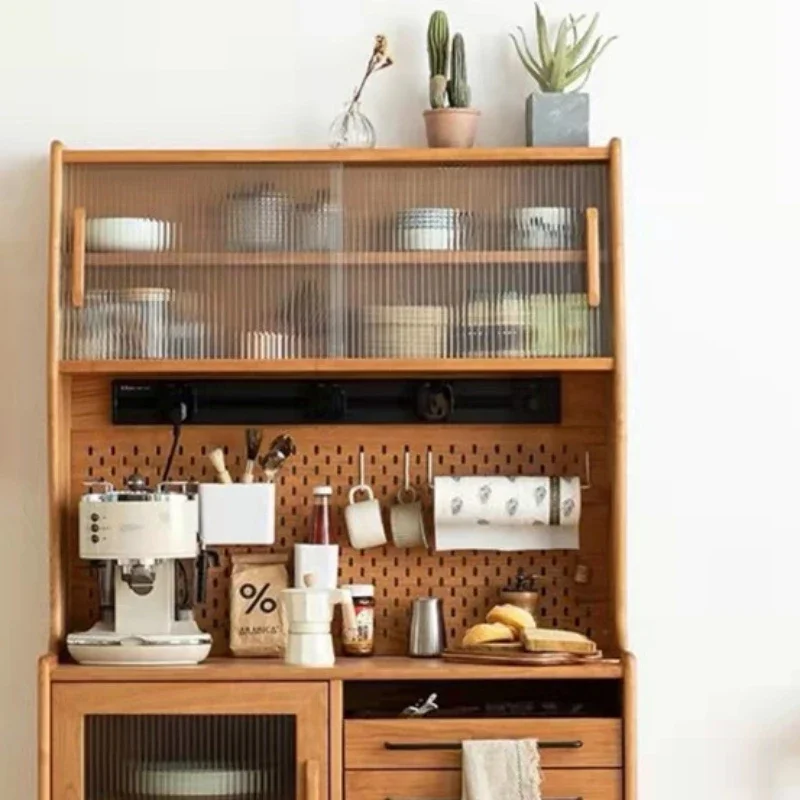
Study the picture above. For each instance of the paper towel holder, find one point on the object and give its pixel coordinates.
(586, 482)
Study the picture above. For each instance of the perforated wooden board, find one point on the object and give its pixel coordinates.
(467, 581)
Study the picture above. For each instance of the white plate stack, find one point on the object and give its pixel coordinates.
(268, 345)
(406, 331)
(428, 229)
(538, 227)
(115, 234)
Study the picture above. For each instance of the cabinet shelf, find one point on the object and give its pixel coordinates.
(380, 668)
(337, 366)
(346, 258)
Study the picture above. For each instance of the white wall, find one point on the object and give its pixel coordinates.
(703, 95)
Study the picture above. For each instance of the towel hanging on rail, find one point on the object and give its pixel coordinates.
(498, 768)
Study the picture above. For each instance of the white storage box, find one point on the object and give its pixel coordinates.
(237, 513)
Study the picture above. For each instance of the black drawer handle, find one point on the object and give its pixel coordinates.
(569, 744)
(392, 797)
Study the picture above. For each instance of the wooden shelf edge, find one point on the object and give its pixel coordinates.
(378, 155)
(389, 668)
(336, 366)
(336, 258)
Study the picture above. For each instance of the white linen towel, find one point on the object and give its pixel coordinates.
(500, 769)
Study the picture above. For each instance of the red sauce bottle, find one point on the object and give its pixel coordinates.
(321, 532)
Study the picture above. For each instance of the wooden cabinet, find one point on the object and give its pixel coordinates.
(420, 264)
(563, 784)
(190, 739)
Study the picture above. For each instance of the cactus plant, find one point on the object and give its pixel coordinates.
(450, 122)
(458, 90)
(562, 62)
(438, 42)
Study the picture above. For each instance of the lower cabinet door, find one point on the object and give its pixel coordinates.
(557, 784)
(114, 741)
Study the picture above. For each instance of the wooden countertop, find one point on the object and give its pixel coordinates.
(387, 668)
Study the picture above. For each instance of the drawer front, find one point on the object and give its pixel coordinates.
(436, 743)
(558, 784)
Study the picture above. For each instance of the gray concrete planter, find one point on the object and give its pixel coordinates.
(557, 120)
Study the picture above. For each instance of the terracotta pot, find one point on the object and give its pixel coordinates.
(451, 127)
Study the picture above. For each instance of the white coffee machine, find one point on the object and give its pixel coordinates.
(137, 538)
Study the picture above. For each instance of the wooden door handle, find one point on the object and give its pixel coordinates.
(78, 257)
(592, 257)
(312, 780)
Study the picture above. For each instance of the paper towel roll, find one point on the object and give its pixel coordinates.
(507, 513)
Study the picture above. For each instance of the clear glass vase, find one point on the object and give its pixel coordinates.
(352, 128)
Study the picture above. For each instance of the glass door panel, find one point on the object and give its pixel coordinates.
(200, 755)
(313, 261)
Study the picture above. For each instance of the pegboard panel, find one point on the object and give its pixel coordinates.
(467, 581)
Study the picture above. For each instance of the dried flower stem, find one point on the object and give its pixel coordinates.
(378, 60)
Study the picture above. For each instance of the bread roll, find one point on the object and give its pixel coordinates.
(513, 616)
(484, 633)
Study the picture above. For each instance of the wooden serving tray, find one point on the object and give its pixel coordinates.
(475, 656)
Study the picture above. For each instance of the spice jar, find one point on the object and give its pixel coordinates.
(360, 641)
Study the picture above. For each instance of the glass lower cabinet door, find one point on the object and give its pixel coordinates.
(150, 741)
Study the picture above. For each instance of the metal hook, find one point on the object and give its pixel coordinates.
(406, 469)
(430, 466)
(362, 478)
(587, 471)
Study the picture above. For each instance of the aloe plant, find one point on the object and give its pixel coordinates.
(565, 60)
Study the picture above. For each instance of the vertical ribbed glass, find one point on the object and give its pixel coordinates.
(161, 757)
(357, 261)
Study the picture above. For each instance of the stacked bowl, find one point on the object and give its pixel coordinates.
(396, 331)
(534, 227)
(428, 228)
(258, 220)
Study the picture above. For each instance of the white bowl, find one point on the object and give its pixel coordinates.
(128, 233)
(427, 238)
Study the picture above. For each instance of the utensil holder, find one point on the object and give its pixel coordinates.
(237, 513)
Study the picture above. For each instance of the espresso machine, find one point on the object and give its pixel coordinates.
(140, 542)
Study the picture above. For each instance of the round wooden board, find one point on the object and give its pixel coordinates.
(469, 655)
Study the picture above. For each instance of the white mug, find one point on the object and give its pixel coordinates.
(408, 525)
(364, 521)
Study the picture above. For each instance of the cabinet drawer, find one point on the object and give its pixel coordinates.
(436, 743)
(557, 784)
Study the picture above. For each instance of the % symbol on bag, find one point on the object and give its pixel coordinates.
(249, 592)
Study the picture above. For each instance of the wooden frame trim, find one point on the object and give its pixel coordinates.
(619, 434)
(44, 765)
(336, 740)
(423, 155)
(619, 472)
(55, 403)
(339, 367)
